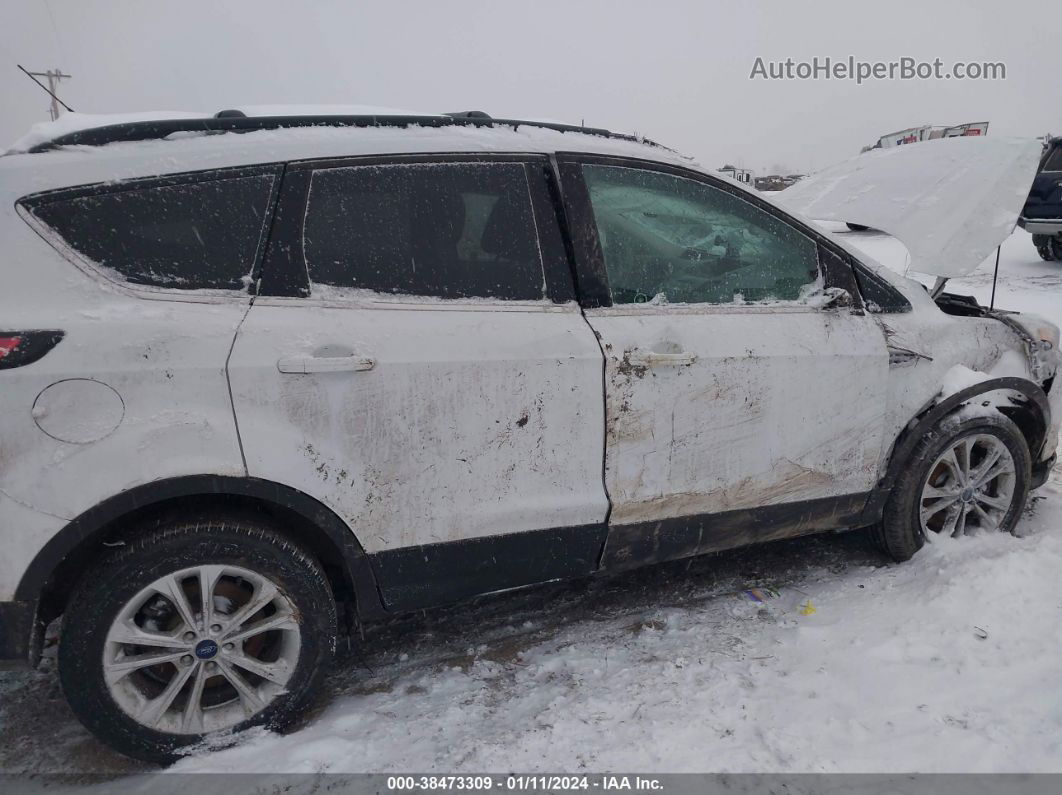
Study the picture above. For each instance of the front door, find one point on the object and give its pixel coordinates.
(730, 390)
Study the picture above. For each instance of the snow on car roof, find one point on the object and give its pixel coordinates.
(194, 151)
(45, 131)
(100, 130)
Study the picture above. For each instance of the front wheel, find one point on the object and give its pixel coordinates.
(193, 630)
(968, 475)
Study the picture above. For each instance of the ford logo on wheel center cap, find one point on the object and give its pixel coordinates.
(205, 649)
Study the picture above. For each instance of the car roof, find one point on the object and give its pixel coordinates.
(186, 142)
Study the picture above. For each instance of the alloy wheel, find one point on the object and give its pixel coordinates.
(201, 649)
(970, 487)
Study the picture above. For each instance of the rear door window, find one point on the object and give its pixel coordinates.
(444, 230)
(194, 232)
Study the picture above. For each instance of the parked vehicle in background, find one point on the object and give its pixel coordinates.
(742, 175)
(776, 182)
(266, 378)
(1042, 214)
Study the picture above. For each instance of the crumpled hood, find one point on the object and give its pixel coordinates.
(951, 202)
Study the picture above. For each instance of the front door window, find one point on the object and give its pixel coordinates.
(671, 239)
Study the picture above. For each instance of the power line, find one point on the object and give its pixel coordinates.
(53, 77)
(55, 30)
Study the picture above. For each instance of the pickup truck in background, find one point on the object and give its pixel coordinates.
(1042, 215)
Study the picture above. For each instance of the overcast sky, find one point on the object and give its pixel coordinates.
(674, 70)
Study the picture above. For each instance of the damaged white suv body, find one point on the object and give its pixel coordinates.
(264, 378)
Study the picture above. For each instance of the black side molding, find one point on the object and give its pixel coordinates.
(426, 576)
(412, 578)
(634, 545)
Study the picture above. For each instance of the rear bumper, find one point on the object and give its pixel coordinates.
(1041, 471)
(21, 635)
(1041, 226)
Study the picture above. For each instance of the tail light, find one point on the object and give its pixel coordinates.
(18, 348)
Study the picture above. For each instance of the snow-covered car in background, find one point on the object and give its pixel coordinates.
(1042, 214)
(258, 388)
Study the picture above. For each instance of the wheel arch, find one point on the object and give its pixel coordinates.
(1032, 415)
(52, 574)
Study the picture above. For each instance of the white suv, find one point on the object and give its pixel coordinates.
(263, 378)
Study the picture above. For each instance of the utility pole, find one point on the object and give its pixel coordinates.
(53, 77)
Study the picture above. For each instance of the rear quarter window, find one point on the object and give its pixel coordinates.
(184, 233)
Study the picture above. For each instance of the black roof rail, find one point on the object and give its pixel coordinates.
(236, 121)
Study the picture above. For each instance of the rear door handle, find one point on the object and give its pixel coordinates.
(301, 365)
(653, 359)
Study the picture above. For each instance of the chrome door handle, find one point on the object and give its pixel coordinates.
(652, 359)
(301, 365)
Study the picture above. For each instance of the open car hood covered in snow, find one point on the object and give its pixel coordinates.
(951, 202)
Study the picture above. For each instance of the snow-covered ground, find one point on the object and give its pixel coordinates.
(950, 662)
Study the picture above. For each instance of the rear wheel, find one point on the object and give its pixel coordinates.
(1049, 247)
(968, 475)
(195, 630)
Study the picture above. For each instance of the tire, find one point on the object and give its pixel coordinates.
(1049, 247)
(904, 530)
(242, 558)
(857, 227)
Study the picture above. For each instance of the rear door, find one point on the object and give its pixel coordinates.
(729, 392)
(415, 360)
